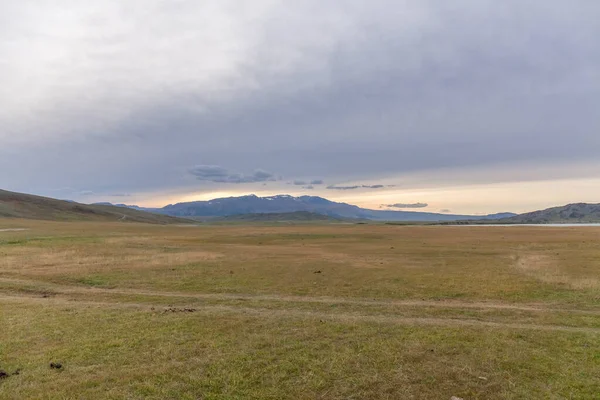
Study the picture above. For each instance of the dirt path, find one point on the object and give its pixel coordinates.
(13, 229)
(334, 300)
(62, 289)
(291, 313)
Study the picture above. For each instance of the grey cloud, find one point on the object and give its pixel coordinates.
(342, 187)
(309, 187)
(218, 174)
(445, 210)
(311, 183)
(406, 205)
(394, 88)
(334, 187)
(209, 172)
(260, 175)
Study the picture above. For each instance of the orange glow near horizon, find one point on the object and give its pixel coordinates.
(463, 199)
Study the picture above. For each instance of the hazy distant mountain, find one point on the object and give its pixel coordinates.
(19, 205)
(252, 204)
(296, 216)
(573, 213)
(134, 207)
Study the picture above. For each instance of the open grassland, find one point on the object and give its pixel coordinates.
(299, 311)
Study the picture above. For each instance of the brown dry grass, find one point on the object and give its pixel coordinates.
(549, 269)
(419, 312)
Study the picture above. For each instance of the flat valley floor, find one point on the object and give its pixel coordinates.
(306, 311)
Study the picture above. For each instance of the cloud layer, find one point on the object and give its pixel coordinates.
(406, 205)
(336, 187)
(123, 97)
(215, 173)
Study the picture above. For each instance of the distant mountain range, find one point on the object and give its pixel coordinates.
(296, 216)
(253, 204)
(273, 208)
(19, 205)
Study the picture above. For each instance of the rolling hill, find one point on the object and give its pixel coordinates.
(253, 204)
(571, 213)
(19, 205)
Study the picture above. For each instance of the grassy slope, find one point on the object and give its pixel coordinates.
(573, 213)
(18, 205)
(414, 312)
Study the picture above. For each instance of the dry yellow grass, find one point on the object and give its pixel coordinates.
(304, 311)
(549, 269)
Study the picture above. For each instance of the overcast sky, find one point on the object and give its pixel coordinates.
(462, 106)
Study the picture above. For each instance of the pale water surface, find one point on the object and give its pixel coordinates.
(536, 225)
